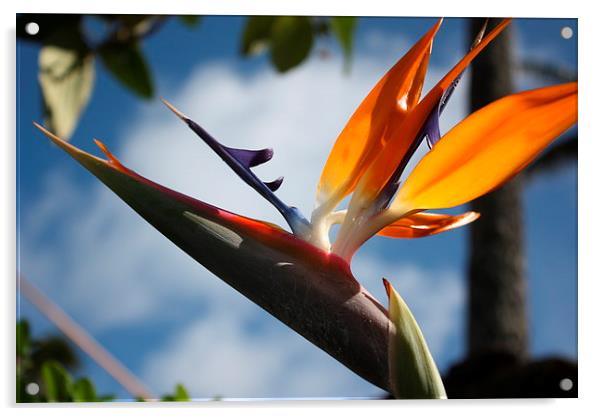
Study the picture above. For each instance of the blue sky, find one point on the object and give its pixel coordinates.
(167, 318)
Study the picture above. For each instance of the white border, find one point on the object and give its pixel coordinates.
(589, 190)
(457, 8)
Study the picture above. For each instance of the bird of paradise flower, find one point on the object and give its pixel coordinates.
(303, 278)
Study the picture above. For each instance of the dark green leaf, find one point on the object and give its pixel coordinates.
(55, 348)
(133, 20)
(181, 394)
(66, 78)
(291, 41)
(23, 339)
(257, 33)
(190, 20)
(126, 63)
(344, 28)
(106, 398)
(57, 382)
(84, 391)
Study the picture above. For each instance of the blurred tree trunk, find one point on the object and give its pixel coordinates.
(497, 363)
(497, 321)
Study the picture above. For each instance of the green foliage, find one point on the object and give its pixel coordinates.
(57, 382)
(257, 33)
(190, 20)
(180, 395)
(344, 28)
(127, 64)
(67, 61)
(67, 58)
(291, 40)
(53, 348)
(39, 360)
(23, 339)
(44, 362)
(66, 76)
(58, 386)
(84, 391)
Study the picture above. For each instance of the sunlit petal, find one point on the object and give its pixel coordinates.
(424, 224)
(430, 132)
(406, 132)
(362, 138)
(488, 148)
(358, 225)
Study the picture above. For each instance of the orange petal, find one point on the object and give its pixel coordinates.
(404, 133)
(488, 148)
(425, 224)
(362, 138)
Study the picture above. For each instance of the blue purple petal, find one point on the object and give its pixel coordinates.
(275, 184)
(240, 161)
(250, 158)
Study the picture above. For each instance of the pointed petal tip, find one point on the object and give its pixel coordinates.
(473, 215)
(46, 132)
(465, 219)
(480, 35)
(111, 159)
(177, 112)
(102, 147)
(78, 154)
(275, 184)
(269, 153)
(433, 30)
(426, 224)
(387, 287)
(56, 139)
(362, 138)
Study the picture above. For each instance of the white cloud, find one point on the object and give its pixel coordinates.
(110, 269)
(436, 297)
(216, 355)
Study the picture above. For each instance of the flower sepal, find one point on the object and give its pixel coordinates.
(412, 370)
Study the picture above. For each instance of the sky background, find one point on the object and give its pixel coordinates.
(167, 318)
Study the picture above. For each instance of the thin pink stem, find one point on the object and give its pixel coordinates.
(83, 340)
